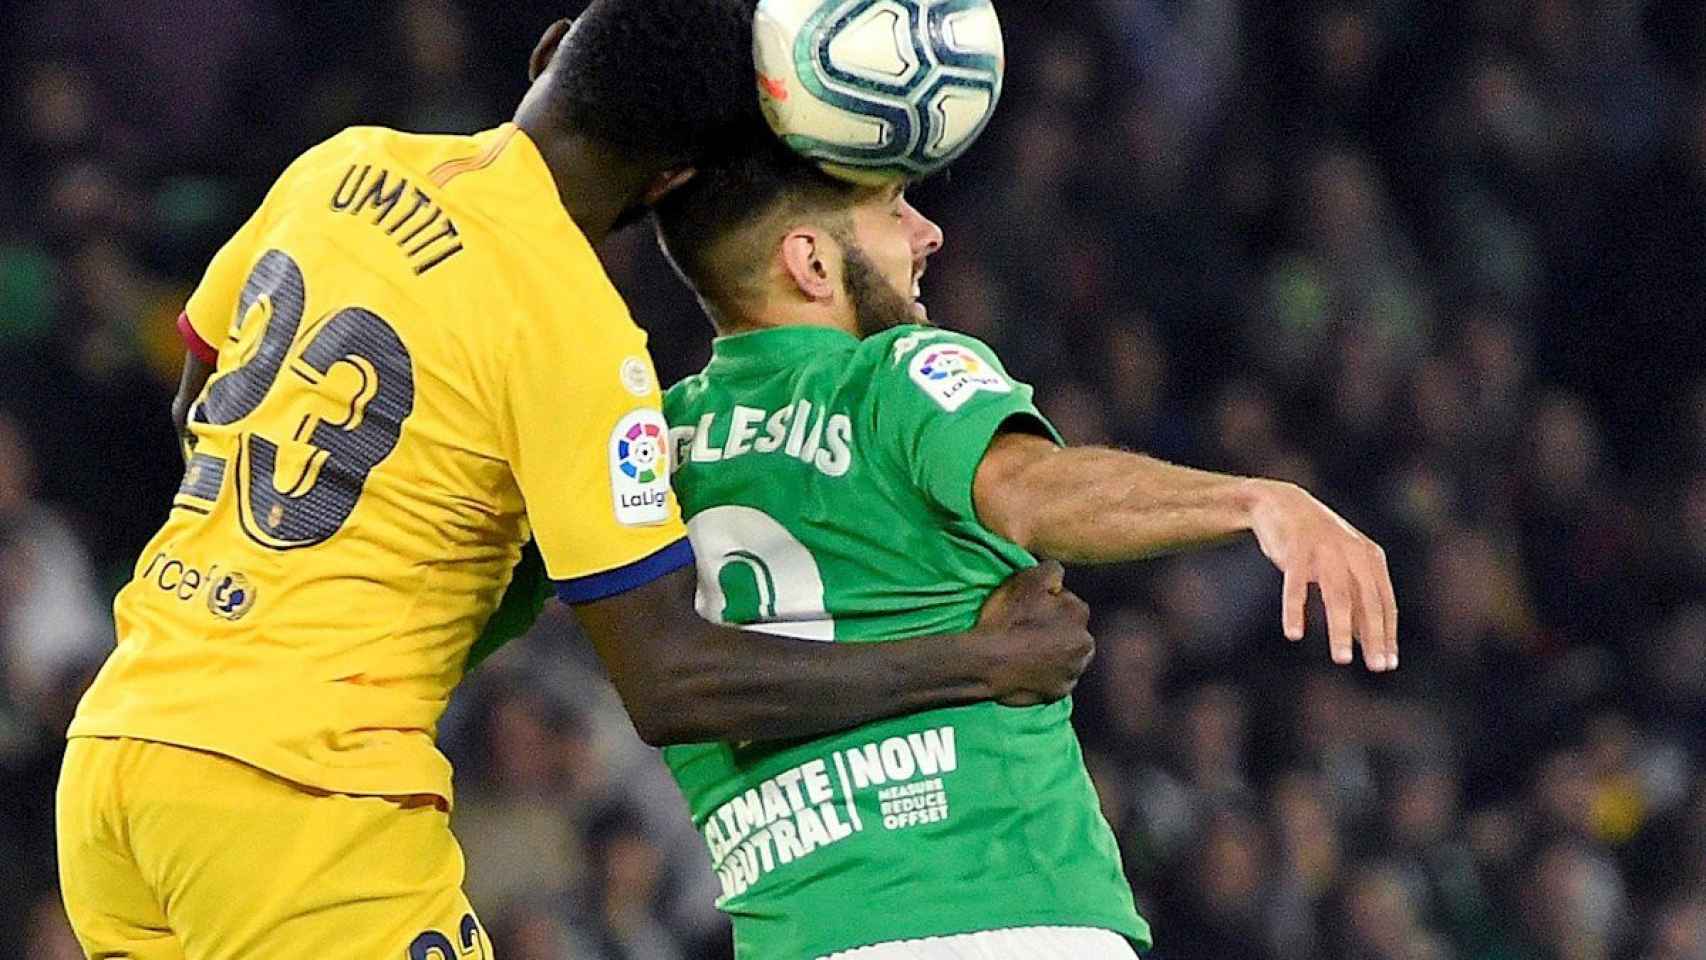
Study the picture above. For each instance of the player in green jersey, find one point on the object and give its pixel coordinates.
(852, 475)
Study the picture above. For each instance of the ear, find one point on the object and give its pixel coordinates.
(811, 260)
(667, 181)
(547, 48)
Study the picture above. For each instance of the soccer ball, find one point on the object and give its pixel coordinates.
(878, 89)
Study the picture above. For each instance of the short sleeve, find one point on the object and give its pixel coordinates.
(208, 315)
(585, 437)
(212, 308)
(941, 400)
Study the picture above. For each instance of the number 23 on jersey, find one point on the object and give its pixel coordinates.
(344, 396)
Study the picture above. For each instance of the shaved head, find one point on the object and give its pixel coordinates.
(722, 228)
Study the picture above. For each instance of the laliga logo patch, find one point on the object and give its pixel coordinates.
(639, 452)
(231, 596)
(951, 374)
(639, 468)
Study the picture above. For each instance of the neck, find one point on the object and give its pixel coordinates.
(595, 184)
(783, 316)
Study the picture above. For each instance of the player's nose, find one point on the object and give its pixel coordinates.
(927, 236)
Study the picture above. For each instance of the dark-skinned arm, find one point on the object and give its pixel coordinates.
(196, 372)
(684, 680)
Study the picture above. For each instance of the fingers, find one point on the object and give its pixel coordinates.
(1041, 592)
(1371, 621)
(1294, 597)
(1047, 575)
(1361, 608)
(1074, 608)
(1025, 594)
(1072, 621)
(1336, 597)
(1390, 598)
(1040, 631)
(1027, 587)
(1312, 544)
(1377, 609)
(1050, 656)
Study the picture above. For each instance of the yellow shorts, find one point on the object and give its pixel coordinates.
(167, 853)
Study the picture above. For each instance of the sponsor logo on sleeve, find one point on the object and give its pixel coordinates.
(951, 374)
(639, 468)
(636, 376)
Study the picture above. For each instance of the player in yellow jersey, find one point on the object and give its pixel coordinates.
(417, 364)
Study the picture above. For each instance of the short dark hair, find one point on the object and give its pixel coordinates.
(670, 80)
(734, 192)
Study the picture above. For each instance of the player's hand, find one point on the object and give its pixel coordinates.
(1036, 634)
(1312, 544)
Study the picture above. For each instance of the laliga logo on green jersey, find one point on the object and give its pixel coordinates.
(951, 374)
(639, 468)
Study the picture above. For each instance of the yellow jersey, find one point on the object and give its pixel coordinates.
(420, 364)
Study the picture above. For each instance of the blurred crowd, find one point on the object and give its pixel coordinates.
(1443, 263)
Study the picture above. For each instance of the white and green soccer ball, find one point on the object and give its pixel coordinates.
(878, 89)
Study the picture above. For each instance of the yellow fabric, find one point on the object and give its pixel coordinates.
(327, 660)
(168, 853)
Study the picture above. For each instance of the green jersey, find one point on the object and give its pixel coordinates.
(827, 485)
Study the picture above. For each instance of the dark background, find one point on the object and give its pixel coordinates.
(1444, 263)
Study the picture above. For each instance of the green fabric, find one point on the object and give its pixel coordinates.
(524, 598)
(826, 482)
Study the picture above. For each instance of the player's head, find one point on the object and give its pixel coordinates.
(655, 88)
(766, 239)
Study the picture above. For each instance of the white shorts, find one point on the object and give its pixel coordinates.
(1018, 943)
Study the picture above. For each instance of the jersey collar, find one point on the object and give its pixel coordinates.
(779, 344)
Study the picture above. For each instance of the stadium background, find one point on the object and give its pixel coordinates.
(1442, 262)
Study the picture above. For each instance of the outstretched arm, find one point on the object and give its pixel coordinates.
(1096, 505)
(684, 680)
